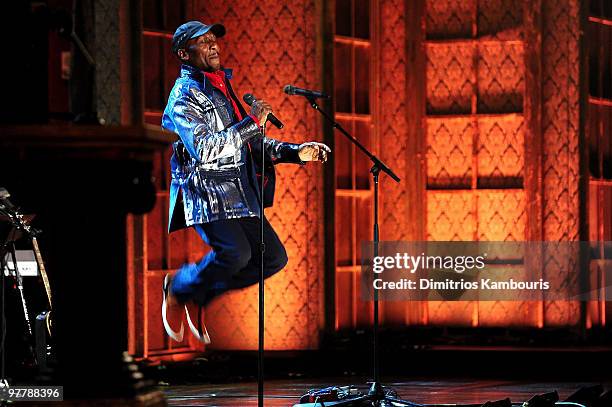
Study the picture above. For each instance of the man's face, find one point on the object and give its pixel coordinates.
(202, 52)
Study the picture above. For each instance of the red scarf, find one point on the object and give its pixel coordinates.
(217, 79)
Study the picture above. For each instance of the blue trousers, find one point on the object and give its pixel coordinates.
(233, 262)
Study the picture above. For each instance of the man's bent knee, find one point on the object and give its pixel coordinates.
(277, 263)
(232, 259)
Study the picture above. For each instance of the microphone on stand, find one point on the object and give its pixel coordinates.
(249, 99)
(311, 94)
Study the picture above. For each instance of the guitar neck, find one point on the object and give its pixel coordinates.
(43, 272)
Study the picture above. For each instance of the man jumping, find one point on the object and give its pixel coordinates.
(216, 168)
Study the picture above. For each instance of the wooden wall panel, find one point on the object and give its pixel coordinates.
(451, 313)
(478, 79)
(561, 158)
(450, 77)
(449, 19)
(398, 121)
(501, 215)
(506, 313)
(450, 216)
(500, 151)
(500, 77)
(449, 152)
(393, 125)
(500, 19)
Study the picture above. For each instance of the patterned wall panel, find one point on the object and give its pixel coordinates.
(501, 19)
(449, 152)
(500, 77)
(270, 44)
(393, 126)
(450, 215)
(497, 84)
(451, 313)
(500, 150)
(449, 19)
(400, 121)
(491, 216)
(450, 81)
(560, 124)
(108, 81)
(507, 313)
(501, 215)
(504, 313)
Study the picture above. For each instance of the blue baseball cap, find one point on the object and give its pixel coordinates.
(193, 29)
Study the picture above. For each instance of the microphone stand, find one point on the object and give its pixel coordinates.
(377, 396)
(262, 249)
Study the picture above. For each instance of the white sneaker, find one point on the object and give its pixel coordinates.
(177, 336)
(200, 334)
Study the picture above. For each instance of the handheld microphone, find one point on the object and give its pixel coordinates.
(292, 90)
(249, 99)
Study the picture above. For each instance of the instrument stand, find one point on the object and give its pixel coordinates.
(19, 227)
(19, 280)
(377, 395)
(8, 247)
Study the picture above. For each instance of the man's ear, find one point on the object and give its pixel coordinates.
(182, 55)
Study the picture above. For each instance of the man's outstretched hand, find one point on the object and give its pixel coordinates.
(313, 151)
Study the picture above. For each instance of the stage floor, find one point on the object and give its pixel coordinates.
(287, 392)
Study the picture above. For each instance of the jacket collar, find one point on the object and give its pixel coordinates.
(197, 74)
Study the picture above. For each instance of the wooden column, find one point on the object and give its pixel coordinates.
(415, 177)
(532, 179)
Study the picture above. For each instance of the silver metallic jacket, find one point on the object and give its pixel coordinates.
(216, 160)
